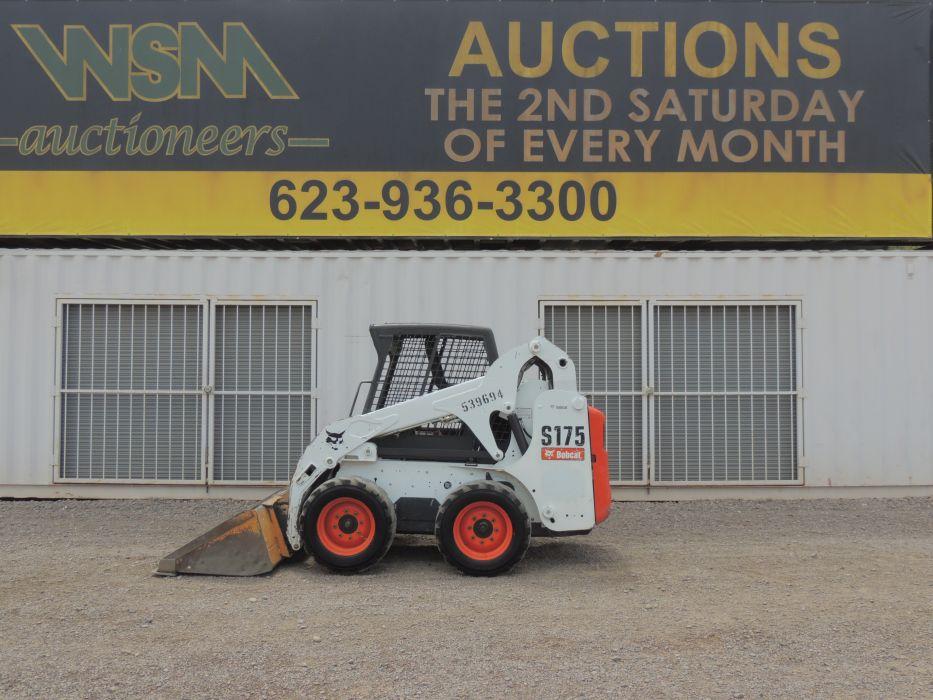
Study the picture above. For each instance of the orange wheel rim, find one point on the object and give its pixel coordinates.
(483, 530)
(346, 526)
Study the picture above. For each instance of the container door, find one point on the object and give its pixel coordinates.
(264, 400)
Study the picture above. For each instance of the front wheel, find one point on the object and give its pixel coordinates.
(348, 524)
(483, 529)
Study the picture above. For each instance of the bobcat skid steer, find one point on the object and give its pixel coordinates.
(482, 451)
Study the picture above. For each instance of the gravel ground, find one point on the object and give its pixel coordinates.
(734, 599)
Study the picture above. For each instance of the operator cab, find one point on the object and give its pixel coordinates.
(413, 360)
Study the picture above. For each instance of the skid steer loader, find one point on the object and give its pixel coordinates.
(480, 450)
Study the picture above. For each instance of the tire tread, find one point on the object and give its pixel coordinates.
(480, 486)
(373, 490)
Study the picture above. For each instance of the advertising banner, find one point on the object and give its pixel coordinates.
(472, 118)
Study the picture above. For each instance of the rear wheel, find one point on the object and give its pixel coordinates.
(483, 529)
(348, 524)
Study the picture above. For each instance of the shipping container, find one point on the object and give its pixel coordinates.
(204, 373)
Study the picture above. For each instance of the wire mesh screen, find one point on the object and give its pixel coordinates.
(131, 381)
(725, 393)
(260, 438)
(264, 379)
(418, 364)
(264, 348)
(131, 436)
(605, 343)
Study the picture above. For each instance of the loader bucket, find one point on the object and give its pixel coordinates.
(248, 544)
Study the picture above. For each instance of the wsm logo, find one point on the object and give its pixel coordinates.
(155, 61)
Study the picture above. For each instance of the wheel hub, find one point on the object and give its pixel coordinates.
(482, 528)
(348, 524)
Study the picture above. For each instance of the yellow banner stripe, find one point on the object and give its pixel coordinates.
(180, 203)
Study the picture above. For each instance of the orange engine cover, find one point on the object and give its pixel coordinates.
(602, 492)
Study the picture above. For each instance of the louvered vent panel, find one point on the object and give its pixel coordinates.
(264, 377)
(605, 343)
(131, 401)
(725, 403)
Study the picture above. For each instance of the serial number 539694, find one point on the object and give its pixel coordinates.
(481, 400)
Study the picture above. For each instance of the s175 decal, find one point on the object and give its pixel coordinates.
(563, 435)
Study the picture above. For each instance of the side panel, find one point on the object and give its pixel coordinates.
(557, 468)
(602, 491)
(431, 481)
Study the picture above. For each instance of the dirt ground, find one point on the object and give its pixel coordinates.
(732, 599)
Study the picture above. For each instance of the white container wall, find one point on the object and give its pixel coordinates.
(864, 331)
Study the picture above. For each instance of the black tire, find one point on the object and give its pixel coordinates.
(469, 499)
(376, 515)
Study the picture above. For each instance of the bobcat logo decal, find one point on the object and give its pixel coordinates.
(334, 439)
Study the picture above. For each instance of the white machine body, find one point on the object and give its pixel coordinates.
(552, 477)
